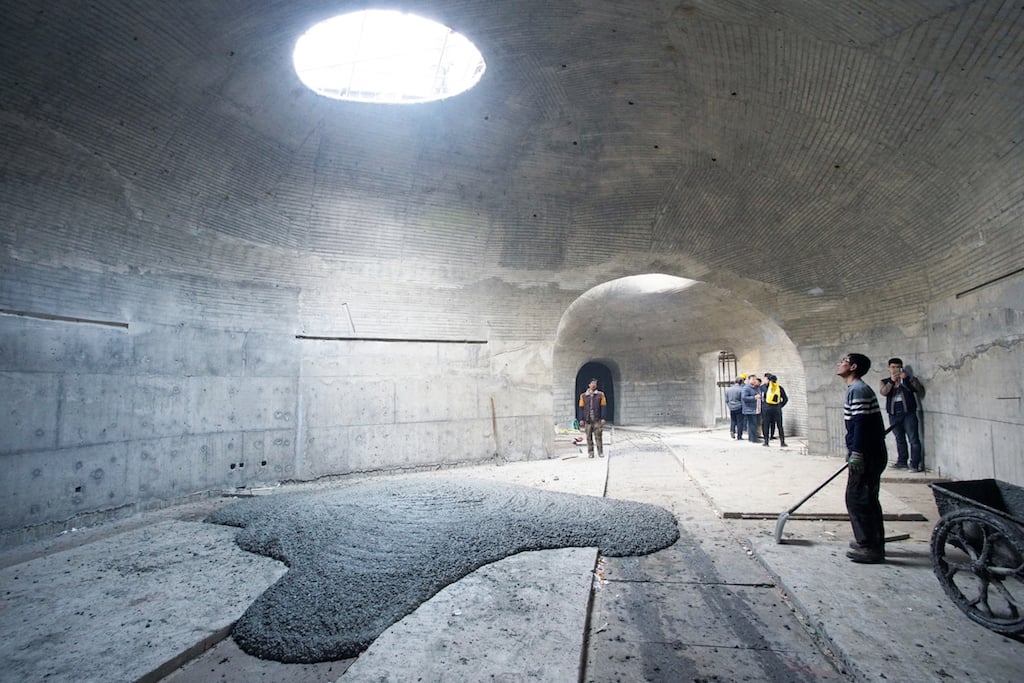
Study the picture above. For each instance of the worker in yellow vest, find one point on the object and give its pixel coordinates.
(775, 399)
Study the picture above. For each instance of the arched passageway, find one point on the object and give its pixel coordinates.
(660, 339)
(605, 382)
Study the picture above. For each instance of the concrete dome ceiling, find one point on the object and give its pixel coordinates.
(657, 311)
(798, 146)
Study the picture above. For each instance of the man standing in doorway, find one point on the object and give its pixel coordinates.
(591, 415)
(866, 457)
(901, 390)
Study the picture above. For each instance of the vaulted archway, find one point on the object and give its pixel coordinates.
(605, 382)
(662, 336)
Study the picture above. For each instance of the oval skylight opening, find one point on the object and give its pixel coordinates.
(388, 57)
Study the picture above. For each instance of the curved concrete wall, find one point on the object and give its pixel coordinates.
(211, 277)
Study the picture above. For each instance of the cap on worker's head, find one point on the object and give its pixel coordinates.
(743, 375)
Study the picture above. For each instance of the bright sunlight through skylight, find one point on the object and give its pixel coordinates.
(386, 56)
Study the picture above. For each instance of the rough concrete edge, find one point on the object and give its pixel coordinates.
(185, 656)
(589, 608)
(589, 612)
(13, 538)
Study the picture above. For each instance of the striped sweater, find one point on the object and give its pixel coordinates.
(865, 431)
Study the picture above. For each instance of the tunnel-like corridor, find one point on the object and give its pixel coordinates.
(660, 338)
(218, 279)
(214, 277)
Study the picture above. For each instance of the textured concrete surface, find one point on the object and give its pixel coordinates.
(725, 602)
(700, 610)
(756, 466)
(125, 607)
(364, 555)
(518, 619)
(888, 621)
(211, 277)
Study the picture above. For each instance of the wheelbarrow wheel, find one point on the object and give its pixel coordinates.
(979, 559)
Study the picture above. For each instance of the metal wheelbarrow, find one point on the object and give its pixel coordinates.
(978, 550)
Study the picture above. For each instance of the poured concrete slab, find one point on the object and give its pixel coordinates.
(128, 606)
(225, 662)
(674, 631)
(890, 621)
(520, 619)
(570, 472)
(698, 610)
(739, 477)
(703, 553)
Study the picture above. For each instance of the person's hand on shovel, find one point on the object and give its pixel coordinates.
(856, 462)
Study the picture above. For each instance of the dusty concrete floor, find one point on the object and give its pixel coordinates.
(226, 663)
(724, 603)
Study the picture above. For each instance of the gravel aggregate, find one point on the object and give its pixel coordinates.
(363, 556)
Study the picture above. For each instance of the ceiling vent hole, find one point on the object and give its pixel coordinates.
(388, 57)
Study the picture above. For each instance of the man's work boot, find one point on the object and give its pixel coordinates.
(866, 555)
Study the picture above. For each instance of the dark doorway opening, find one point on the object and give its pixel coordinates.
(605, 383)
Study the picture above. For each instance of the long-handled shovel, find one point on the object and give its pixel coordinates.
(781, 521)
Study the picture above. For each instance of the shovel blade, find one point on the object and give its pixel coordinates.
(779, 523)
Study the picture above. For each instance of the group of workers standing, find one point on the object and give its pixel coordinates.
(755, 407)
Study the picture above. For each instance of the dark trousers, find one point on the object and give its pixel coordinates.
(593, 430)
(773, 422)
(862, 503)
(904, 429)
(753, 422)
(737, 424)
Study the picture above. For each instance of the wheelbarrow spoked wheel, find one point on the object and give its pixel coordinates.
(979, 560)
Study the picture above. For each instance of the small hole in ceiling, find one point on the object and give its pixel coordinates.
(388, 57)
